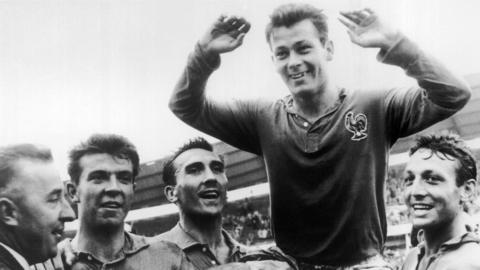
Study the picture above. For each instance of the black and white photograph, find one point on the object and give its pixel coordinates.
(239, 134)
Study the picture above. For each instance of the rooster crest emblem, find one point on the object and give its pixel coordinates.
(356, 124)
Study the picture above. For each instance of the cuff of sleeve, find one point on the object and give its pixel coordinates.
(209, 61)
(403, 53)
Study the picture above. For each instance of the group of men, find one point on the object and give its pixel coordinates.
(325, 150)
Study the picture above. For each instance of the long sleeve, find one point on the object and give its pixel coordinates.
(234, 122)
(439, 96)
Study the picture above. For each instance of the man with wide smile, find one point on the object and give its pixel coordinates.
(196, 182)
(440, 178)
(322, 143)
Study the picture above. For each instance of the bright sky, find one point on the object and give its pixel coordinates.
(72, 68)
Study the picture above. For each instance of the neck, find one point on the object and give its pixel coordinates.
(103, 242)
(205, 229)
(313, 105)
(441, 233)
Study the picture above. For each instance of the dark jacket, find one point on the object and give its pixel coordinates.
(7, 261)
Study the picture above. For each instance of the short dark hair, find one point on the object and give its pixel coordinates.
(168, 175)
(453, 146)
(13, 153)
(112, 144)
(290, 14)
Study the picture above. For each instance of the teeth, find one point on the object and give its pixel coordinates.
(422, 207)
(111, 205)
(297, 76)
(210, 194)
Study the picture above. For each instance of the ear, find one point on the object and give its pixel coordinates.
(467, 190)
(72, 192)
(171, 193)
(8, 212)
(330, 49)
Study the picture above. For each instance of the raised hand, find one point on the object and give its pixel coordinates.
(367, 30)
(225, 35)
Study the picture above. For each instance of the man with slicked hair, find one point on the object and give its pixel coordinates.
(325, 147)
(33, 208)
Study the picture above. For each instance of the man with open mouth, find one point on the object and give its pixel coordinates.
(196, 182)
(439, 179)
(33, 208)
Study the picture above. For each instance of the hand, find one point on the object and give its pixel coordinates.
(268, 265)
(367, 30)
(225, 35)
(66, 251)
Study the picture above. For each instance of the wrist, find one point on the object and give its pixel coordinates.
(390, 40)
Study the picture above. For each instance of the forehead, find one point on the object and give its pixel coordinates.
(104, 162)
(37, 177)
(195, 155)
(302, 30)
(425, 160)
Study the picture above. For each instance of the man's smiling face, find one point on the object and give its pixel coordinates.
(201, 183)
(300, 56)
(431, 192)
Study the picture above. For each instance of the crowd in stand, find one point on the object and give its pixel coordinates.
(251, 226)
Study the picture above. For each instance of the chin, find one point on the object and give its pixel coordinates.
(422, 224)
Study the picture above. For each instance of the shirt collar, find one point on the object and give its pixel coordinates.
(288, 101)
(20, 259)
(184, 240)
(233, 244)
(453, 243)
(132, 244)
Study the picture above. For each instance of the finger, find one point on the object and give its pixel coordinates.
(362, 14)
(245, 27)
(240, 38)
(370, 11)
(240, 24)
(352, 36)
(232, 22)
(347, 23)
(352, 16)
(221, 18)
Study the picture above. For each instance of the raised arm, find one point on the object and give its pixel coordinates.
(232, 122)
(441, 93)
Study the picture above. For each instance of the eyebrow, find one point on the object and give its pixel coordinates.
(194, 164)
(109, 172)
(57, 191)
(217, 162)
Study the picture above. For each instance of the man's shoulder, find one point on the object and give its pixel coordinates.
(468, 252)
(166, 246)
(463, 256)
(166, 236)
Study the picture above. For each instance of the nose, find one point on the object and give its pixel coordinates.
(294, 61)
(66, 213)
(417, 189)
(209, 175)
(113, 186)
